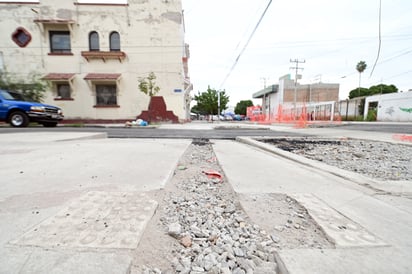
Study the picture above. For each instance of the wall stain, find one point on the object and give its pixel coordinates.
(173, 16)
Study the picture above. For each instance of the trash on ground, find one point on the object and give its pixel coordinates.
(213, 174)
(138, 122)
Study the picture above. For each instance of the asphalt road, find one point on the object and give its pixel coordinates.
(405, 128)
(221, 133)
(228, 134)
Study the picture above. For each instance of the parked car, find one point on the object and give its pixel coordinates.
(18, 96)
(20, 113)
(239, 117)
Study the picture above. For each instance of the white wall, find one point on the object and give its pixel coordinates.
(394, 107)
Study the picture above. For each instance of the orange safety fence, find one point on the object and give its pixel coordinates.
(302, 119)
(402, 137)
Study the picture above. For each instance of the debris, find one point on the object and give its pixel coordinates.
(186, 241)
(213, 174)
(138, 122)
(212, 160)
(174, 230)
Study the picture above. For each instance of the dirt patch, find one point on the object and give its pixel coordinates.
(284, 218)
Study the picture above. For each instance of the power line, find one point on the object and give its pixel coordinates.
(393, 76)
(245, 46)
(380, 38)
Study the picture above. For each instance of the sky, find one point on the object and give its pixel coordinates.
(331, 36)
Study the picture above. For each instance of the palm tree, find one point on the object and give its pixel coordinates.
(360, 67)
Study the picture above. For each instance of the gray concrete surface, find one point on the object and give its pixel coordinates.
(50, 182)
(75, 202)
(368, 231)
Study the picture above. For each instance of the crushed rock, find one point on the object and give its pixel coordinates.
(201, 227)
(379, 160)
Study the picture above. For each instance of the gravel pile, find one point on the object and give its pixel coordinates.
(379, 160)
(203, 215)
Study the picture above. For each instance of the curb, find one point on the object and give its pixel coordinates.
(350, 176)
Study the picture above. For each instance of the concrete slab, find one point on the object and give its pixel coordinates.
(341, 230)
(95, 220)
(72, 203)
(379, 221)
(35, 260)
(339, 261)
(392, 186)
(46, 137)
(44, 166)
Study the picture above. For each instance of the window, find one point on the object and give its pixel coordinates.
(114, 41)
(21, 37)
(63, 91)
(94, 41)
(106, 95)
(60, 42)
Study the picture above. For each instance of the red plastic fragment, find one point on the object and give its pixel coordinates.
(213, 174)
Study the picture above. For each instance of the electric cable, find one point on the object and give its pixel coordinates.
(380, 38)
(247, 43)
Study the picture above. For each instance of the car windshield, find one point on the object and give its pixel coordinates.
(13, 95)
(6, 95)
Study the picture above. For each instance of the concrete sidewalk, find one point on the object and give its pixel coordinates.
(380, 235)
(56, 188)
(78, 202)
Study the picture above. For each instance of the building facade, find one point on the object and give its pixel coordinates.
(393, 107)
(92, 55)
(287, 99)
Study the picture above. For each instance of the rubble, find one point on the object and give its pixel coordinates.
(206, 219)
(378, 160)
(209, 231)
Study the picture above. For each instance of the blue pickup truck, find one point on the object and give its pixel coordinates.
(19, 113)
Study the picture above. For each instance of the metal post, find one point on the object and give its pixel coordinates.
(218, 106)
(296, 68)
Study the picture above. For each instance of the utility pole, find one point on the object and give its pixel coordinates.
(296, 68)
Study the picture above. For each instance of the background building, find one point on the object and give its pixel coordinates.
(290, 101)
(92, 55)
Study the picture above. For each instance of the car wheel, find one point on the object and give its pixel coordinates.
(49, 124)
(18, 119)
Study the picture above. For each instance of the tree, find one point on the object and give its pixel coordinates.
(382, 89)
(360, 67)
(358, 92)
(207, 102)
(32, 89)
(378, 89)
(241, 107)
(147, 85)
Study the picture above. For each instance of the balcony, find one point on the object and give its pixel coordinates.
(104, 55)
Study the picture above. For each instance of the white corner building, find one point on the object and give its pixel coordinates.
(92, 54)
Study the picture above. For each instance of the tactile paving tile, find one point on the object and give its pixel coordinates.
(343, 231)
(96, 220)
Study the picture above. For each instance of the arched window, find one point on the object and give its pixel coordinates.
(114, 41)
(94, 41)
